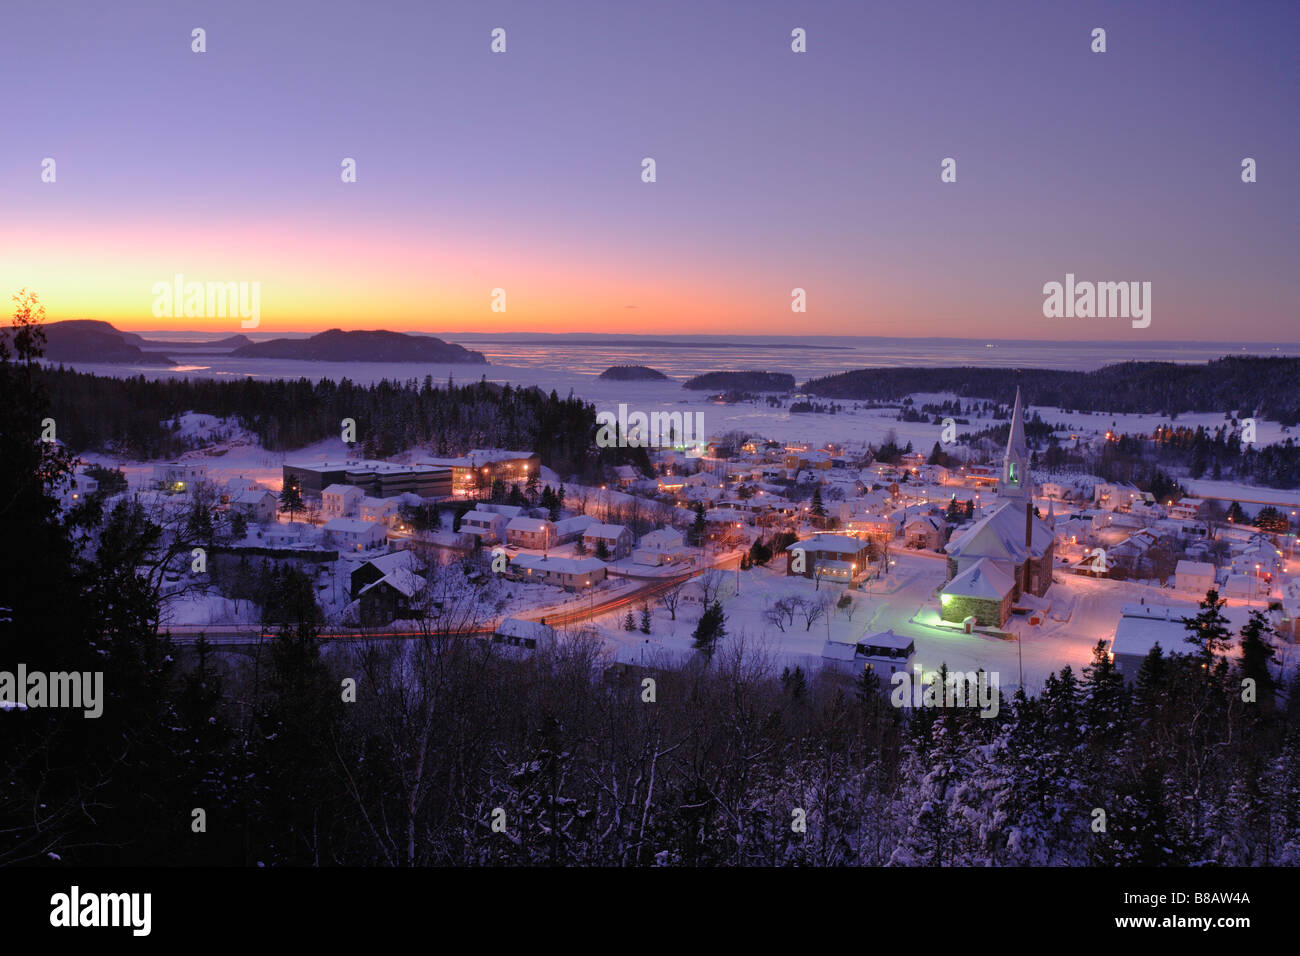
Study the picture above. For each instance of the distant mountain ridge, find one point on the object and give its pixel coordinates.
(91, 340)
(337, 345)
(229, 342)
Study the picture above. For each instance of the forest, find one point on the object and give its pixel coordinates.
(132, 417)
(1263, 387)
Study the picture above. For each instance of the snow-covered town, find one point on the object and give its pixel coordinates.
(818, 556)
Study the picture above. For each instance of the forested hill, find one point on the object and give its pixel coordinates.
(336, 345)
(1262, 386)
(130, 416)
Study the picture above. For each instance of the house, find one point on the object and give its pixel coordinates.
(1140, 628)
(175, 476)
(341, 501)
(1246, 587)
(353, 534)
(571, 574)
(571, 529)
(78, 489)
(382, 510)
(664, 539)
(924, 531)
(616, 538)
(514, 632)
(487, 526)
(883, 654)
(1194, 577)
(509, 511)
(936, 474)
(1186, 509)
(723, 522)
(395, 596)
(368, 572)
(983, 591)
(1115, 496)
(536, 533)
(837, 557)
(258, 507)
(659, 547)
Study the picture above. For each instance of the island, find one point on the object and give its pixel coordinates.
(752, 381)
(632, 373)
(377, 345)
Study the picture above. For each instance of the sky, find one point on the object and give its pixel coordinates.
(775, 170)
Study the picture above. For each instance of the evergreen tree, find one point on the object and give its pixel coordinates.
(645, 619)
(1208, 630)
(711, 628)
(699, 527)
(291, 496)
(1256, 655)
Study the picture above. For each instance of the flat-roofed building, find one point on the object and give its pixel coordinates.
(376, 479)
(1141, 627)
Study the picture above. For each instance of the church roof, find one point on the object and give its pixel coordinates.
(1001, 535)
(1016, 447)
(982, 579)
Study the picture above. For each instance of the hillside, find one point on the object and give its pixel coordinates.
(89, 340)
(752, 381)
(1263, 386)
(337, 345)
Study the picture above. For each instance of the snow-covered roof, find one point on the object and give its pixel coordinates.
(559, 565)
(400, 580)
(1142, 626)
(661, 538)
(983, 579)
(532, 525)
(518, 627)
(352, 526)
(1002, 535)
(249, 497)
(576, 523)
(606, 531)
(839, 543)
(348, 490)
(388, 563)
(839, 651)
(1194, 567)
(886, 638)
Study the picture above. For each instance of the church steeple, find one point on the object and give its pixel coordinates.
(1014, 484)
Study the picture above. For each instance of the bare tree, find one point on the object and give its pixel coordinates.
(710, 583)
(813, 611)
(670, 598)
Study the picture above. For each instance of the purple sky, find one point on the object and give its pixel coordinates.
(775, 170)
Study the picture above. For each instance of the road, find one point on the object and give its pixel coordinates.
(245, 634)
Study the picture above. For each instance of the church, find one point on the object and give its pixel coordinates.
(1005, 554)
